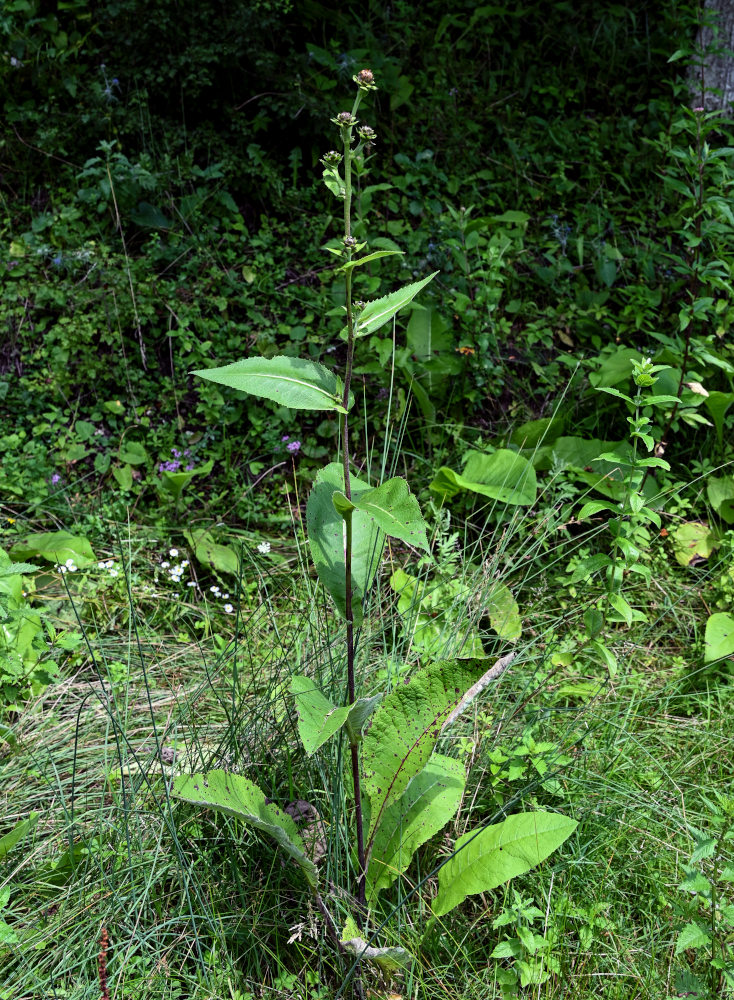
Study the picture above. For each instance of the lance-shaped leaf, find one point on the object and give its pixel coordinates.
(319, 720)
(235, 795)
(327, 539)
(393, 508)
(351, 264)
(292, 382)
(424, 808)
(405, 729)
(378, 312)
(484, 860)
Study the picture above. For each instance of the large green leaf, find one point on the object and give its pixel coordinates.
(719, 641)
(720, 491)
(717, 403)
(318, 719)
(235, 795)
(504, 475)
(424, 808)
(292, 382)
(56, 547)
(378, 312)
(210, 553)
(484, 860)
(327, 539)
(406, 727)
(393, 508)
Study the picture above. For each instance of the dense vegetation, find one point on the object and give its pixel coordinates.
(558, 397)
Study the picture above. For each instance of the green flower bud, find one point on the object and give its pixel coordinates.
(332, 158)
(349, 242)
(344, 119)
(366, 133)
(365, 80)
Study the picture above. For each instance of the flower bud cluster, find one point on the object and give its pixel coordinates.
(366, 133)
(365, 80)
(344, 119)
(332, 158)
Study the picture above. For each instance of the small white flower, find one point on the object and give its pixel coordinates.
(214, 589)
(109, 564)
(228, 608)
(185, 562)
(191, 583)
(165, 564)
(173, 553)
(225, 596)
(61, 568)
(112, 572)
(102, 565)
(70, 564)
(264, 547)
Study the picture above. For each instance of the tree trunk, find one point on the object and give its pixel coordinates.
(712, 83)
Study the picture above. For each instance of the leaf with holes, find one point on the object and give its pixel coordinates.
(291, 382)
(235, 795)
(424, 808)
(405, 729)
(494, 855)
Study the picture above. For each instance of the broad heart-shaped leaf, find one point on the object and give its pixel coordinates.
(327, 539)
(719, 640)
(376, 313)
(235, 795)
(393, 508)
(424, 808)
(717, 403)
(484, 860)
(292, 382)
(405, 729)
(504, 475)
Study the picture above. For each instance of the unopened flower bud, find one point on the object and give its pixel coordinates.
(366, 133)
(365, 79)
(349, 242)
(332, 158)
(344, 119)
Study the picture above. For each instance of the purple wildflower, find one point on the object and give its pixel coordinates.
(294, 447)
(169, 466)
(56, 478)
(286, 437)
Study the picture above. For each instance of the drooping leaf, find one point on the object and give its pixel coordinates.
(405, 729)
(719, 639)
(393, 508)
(424, 808)
(292, 382)
(504, 475)
(327, 539)
(211, 554)
(389, 959)
(378, 312)
(484, 860)
(235, 795)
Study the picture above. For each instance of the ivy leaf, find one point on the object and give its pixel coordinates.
(235, 795)
(293, 382)
(484, 860)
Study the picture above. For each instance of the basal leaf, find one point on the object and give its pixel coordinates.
(719, 640)
(292, 382)
(405, 728)
(720, 491)
(484, 860)
(327, 539)
(424, 808)
(378, 312)
(19, 831)
(504, 475)
(235, 795)
(693, 541)
(56, 547)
